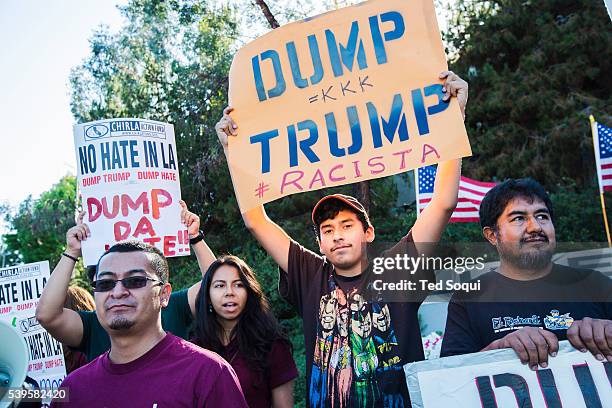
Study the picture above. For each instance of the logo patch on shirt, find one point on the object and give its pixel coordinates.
(557, 321)
(506, 323)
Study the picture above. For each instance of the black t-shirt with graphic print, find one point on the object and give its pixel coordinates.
(356, 344)
(504, 305)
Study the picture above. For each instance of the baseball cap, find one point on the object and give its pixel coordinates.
(350, 201)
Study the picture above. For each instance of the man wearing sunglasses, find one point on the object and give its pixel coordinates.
(82, 330)
(144, 362)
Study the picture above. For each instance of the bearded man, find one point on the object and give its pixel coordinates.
(529, 303)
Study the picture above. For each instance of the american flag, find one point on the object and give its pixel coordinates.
(602, 142)
(471, 193)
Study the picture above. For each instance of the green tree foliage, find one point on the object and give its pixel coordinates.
(39, 225)
(168, 63)
(536, 70)
(8, 257)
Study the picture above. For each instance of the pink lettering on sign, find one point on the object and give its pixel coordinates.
(146, 203)
(298, 180)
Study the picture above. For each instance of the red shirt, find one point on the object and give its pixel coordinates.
(257, 390)
(174, 373)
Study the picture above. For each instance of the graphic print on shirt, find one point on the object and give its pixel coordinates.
(356, 359)
(557, 321)
(507, 323)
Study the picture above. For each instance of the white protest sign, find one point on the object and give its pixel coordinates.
(497, 379)
(127, 174)
(20, 289)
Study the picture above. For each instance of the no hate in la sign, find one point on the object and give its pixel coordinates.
(128, 179)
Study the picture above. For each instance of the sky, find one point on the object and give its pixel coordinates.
(40, 41)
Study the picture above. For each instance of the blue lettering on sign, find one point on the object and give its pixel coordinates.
(119, 154)
(340, 55)
(395, 124)
(436, 90)
(280, 86)
(397, 32)
(305, 145)
(332, 133)
(96, 131)
(315, 56)
(347, 54)
(264, 139)
(87, 159)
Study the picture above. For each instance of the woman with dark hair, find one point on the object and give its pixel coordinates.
(233, 319)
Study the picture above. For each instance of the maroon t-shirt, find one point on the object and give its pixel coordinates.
(78, 360)
(257, 388)
(174, 373)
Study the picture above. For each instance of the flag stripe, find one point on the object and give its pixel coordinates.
(471, 196)
(471, 193)
(464, 219)
(602, 143)
(469, 190)
(461, 202)
(465, 209)
(484, 184)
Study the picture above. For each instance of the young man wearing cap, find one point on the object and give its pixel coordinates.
(355, 345)
(529, 303)
(145, 366)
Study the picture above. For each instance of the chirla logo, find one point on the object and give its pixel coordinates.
(96, 131)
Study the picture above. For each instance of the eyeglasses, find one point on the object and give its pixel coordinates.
(133, 282)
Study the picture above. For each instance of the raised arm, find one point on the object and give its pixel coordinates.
(202, 251)
(431, 223)
(429, 226)
(271, 237)
(63, 324)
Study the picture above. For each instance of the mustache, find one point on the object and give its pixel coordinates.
(112, 304)
(533, 236)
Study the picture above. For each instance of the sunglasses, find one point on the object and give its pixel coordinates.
(133, 282)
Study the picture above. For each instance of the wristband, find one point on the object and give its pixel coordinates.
(197, 238)
(71, 257)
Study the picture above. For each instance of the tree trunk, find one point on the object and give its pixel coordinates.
(361, 191)
(267, 13)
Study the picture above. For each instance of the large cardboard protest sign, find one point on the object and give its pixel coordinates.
(20, 289)
(343, 97)
(127, 174)
(497, 379)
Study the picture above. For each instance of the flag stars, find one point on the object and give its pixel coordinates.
(605, 141)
